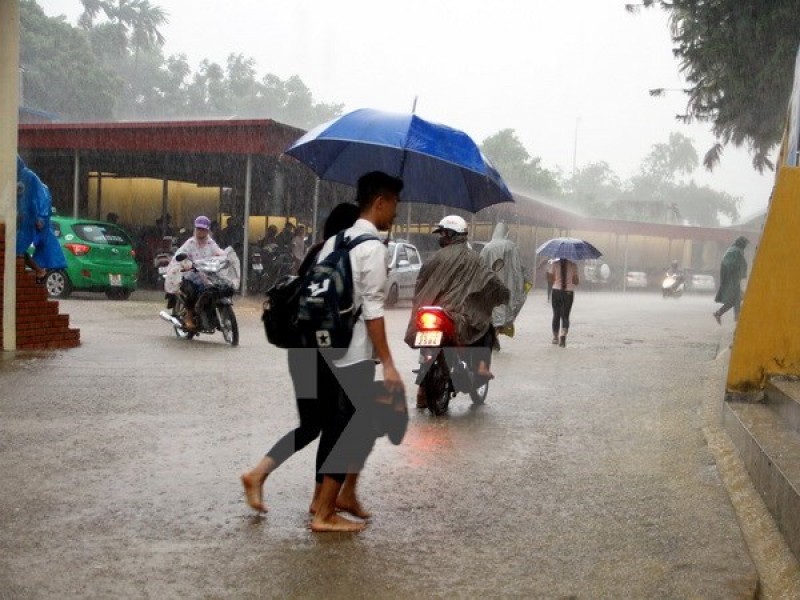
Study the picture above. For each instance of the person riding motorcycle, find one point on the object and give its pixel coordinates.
(456, 279)
(197, 247)
(675, 270)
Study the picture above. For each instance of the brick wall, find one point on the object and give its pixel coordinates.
(39, 324)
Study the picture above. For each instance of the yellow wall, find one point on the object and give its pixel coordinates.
(137, 201)
(767, 338)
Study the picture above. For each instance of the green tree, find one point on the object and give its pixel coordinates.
(593, 188)
(112, 67)
(517, 167)
(657, 194)
(738, 57)
(666, 161)
(61, 74)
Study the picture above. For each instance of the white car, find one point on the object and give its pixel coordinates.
(702, 283)
(636, 279)
(404, 266)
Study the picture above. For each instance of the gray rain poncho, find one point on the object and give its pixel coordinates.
(456, 279)
(512, 275)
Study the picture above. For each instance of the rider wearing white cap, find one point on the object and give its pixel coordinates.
(456, 279)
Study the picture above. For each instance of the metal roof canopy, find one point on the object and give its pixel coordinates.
(224, 153)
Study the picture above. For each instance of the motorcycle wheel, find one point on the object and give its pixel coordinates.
(228, 325)
(437, 387)
(179, 312)
(478, 394)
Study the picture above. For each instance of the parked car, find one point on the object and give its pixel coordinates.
(404, 266)
(100, 258)
(700, 282)
(636, 280)
(596, 273)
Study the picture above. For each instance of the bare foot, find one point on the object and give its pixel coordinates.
(352, 506)
(253, 491)
(483, 371)
(335, 523)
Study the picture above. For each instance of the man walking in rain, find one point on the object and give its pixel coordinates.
(731, 272)
(512, 274)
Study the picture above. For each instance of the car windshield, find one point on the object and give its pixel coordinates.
(100, 233)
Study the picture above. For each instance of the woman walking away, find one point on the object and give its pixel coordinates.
(563, 274)
(302, 368)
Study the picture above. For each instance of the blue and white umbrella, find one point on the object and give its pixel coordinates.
(570, 248)
(438, 164)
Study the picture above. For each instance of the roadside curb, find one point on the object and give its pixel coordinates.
(778, 569)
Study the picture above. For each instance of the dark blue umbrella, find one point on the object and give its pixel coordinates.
(569, 248)
(438, 164)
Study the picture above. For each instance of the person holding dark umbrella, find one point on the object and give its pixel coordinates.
(563, 274)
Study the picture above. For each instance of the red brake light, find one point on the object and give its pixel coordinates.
(78, 249)
(133, 253)
(427, 321)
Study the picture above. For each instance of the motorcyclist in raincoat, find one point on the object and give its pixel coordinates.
(512, 275)
(456, 279)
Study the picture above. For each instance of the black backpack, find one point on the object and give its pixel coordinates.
(280, 312)
(326, 311)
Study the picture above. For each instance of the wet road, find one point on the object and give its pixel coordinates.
(585, 475)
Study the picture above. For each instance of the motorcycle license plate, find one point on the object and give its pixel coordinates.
(162, 270)
(258, 267)
(428, 338)
(115, 279)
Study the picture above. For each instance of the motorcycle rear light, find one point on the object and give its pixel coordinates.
(78, 249)
(429, 321)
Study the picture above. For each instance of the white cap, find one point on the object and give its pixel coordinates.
(453, 223)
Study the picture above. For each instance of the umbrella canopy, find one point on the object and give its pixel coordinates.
(569, 248)
(438, 164)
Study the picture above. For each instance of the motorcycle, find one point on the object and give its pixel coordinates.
(445, 368)
(673, 285)
(277, 263)
(166, 250)
(213, 309)
(258, 277)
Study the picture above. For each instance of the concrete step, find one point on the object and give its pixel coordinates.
(784, 396)
(767, 436)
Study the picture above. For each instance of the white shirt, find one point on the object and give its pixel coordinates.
(555, 269)
(368, 263)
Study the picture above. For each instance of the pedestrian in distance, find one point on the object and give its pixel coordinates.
(298, 246)
(512, 274)
(732, 270)
(562, 274)
(303, 371)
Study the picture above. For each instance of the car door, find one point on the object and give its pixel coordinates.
(414, 265)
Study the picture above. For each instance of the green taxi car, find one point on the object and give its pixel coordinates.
(100, 258)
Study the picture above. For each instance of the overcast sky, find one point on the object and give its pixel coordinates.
(546, 68)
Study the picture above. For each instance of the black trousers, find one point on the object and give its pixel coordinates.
(346, 398)
(303, 370)
(562, 306)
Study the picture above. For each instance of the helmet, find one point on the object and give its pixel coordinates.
(202, 222)
(453, 223)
